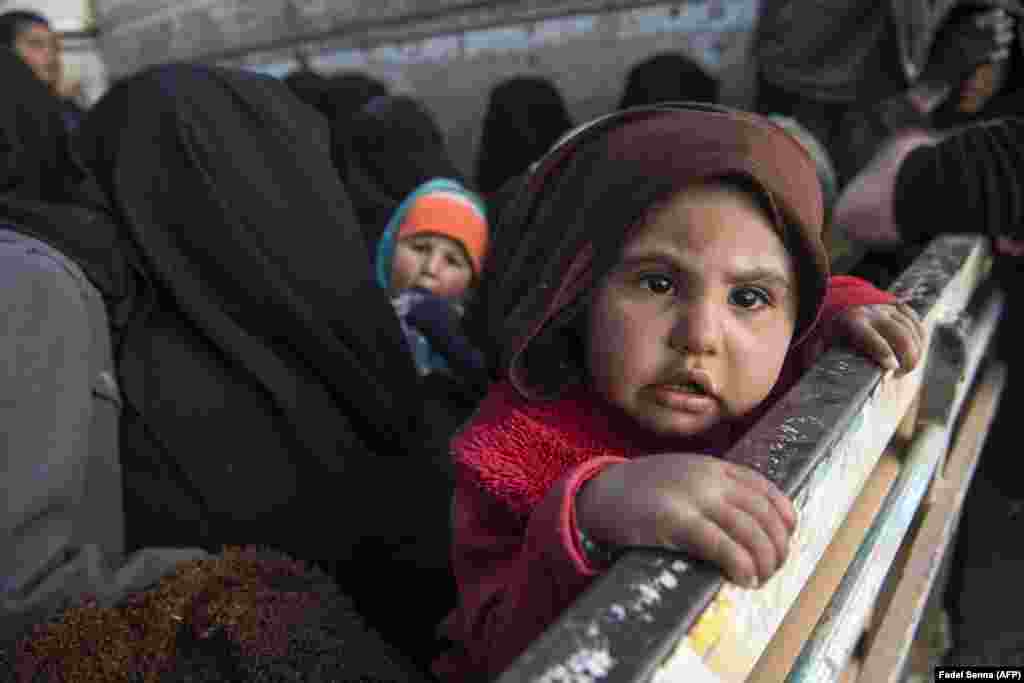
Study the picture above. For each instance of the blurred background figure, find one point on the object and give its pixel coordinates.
(854, 75)
(308, 86)
(391, 146)
(993, 88)
(668, 77)
(525, 116)
(31, 37)
(348, 92)
(345, 94)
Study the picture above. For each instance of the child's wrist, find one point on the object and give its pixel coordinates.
(597, 553)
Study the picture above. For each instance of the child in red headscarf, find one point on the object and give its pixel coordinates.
(668, 283)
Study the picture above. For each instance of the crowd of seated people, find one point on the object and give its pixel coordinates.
(288, 396)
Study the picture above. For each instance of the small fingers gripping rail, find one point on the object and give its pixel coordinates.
(877, 466)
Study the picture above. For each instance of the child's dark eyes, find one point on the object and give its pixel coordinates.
(744, 297)
(657, 284)
(749, 297)
(455, 262)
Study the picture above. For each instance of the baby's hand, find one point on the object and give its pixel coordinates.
(714, 510)
(890, 334)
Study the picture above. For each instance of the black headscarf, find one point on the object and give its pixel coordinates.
(525, 116)
(347, 93)
(668, 77)
(344, 95)
(310, 87)
(394, 146)
(33, 158)
(269, 396)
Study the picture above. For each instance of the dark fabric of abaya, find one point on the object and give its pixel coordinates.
(344, 95)
(347, 93)
(46, 194)
(525, 116)
(269, 397)
(972, 179)
(669, 77)
(32, 147)
(393, 147)
(310, 87)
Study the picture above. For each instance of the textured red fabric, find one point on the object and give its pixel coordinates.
(519, 465)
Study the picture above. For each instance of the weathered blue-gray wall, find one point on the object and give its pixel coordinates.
(447, 52)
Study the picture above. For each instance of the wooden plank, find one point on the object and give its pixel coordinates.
(887, 657)
(782, 651)
(819, 443)
(826, 652)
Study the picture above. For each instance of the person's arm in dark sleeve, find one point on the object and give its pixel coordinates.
(961, 45)
(971, 181)
(47, 560)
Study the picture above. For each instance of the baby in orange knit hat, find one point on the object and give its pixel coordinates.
(428, 258)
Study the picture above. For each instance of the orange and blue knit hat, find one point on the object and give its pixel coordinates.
(440, 207)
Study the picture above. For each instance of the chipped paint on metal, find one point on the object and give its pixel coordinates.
(592, 659)
(685, 665)
(713, 621)
(585, 666)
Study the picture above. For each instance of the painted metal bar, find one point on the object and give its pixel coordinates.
(954, 360)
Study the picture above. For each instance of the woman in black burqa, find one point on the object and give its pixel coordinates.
(268, 396)
(344, 96)
(667, 77)
(525, 116)
(394, 145)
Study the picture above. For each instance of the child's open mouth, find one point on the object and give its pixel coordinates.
(689, 397)
(691, 387)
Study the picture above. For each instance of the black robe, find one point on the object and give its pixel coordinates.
(269, 398)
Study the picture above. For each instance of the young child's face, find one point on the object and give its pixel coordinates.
(433, 262)
(692, 327)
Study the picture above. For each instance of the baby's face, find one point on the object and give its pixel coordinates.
(693, 325)
(432, 262)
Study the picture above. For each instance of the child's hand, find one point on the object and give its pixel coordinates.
(715, 510)
(890, 334)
